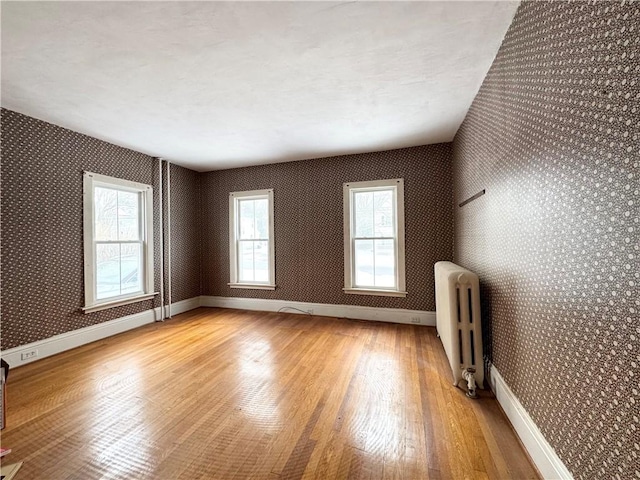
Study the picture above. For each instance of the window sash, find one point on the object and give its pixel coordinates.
(354, 266)
(141, 242)
(140, 207)
(354, 216)
(355, 237)
(253, 270)
(239, 216)
(140, 267)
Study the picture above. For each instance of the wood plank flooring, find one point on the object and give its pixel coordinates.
(230, 394)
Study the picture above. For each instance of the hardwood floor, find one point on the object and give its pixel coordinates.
(229, 394)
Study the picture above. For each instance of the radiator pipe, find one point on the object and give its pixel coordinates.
(161, 240)
(469, 375)
(169, 237)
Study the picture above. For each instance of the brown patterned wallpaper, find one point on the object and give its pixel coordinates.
(42, 249)
(553, 137)
(42, 272)
(309, 225)
(186, 230)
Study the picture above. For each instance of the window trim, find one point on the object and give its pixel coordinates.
(348, 188)
(90, 181)
(233, 238)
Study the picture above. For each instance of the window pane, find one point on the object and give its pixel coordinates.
(383, 214)
(261, 256)
(106, 213)
(107, 270)
(245, 261)
(262, 218)
(363, 211)
(385, 263)
(246, 219)
(128, 222)
(363, 264)
(130, 268)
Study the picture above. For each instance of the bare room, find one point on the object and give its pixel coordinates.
(320, 240)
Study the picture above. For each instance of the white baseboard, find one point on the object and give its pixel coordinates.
(180, 307)
(76, 338)
(392, 315)
(542, 454)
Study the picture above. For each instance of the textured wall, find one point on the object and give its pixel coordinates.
(42, 255)
(186, 230)
(42, 240)
(309, 223)
(553, 137)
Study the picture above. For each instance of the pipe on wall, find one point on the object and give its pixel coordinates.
(161, 240)
(169, 238)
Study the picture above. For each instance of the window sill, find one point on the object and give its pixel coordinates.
(118, 303)
(252, 286)
(381, 293)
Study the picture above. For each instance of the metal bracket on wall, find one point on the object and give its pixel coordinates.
(471, 199)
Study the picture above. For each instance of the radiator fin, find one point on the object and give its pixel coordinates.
(473, 350)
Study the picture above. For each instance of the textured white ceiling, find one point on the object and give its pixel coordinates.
(213, 85)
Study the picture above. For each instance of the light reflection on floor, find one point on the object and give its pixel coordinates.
(257, 398)
(118, 428)
(381, 427)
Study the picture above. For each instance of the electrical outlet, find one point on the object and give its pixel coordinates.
(415, 319)
(29, 354)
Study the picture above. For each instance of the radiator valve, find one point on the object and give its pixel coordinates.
(469, 375)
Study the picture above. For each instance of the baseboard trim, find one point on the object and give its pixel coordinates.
(180, 307)
(542, 454)
(76, 338)
(82, 336)
(391, 315)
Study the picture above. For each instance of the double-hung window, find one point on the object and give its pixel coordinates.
(374, 238)
(118, 241)
(251, 246)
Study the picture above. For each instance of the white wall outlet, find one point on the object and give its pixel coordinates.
(415, 319)
(28, 355)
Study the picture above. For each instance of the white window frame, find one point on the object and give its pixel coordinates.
(397, 185)
(233, 240)
(90, 182)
